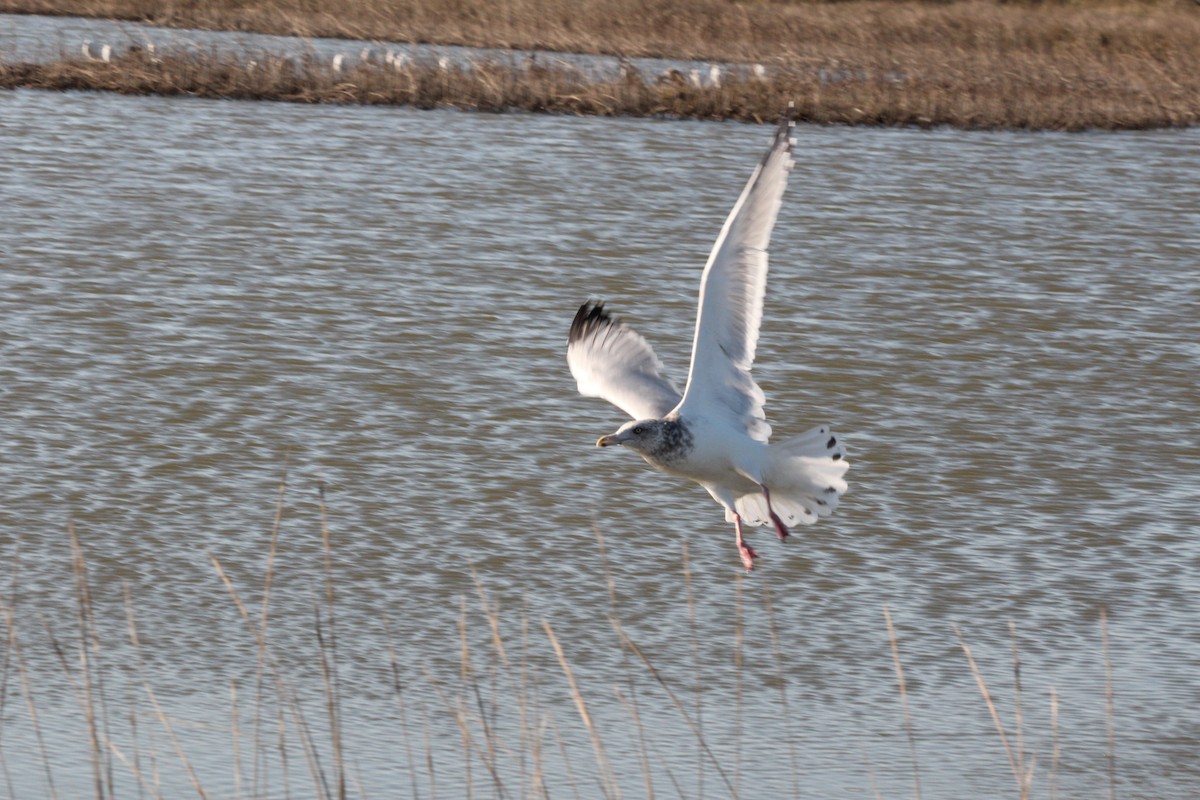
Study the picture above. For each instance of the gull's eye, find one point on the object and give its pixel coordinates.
(639, 430)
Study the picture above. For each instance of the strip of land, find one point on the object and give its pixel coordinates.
(975, 64)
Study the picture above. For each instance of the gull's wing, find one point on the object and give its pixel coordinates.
(610, 360)
(731, 300)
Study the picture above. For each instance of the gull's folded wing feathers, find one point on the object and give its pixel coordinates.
(731, 300)
(611, 360)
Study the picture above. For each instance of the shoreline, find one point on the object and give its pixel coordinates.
(972, 65)
(789, 33)
(862, 99)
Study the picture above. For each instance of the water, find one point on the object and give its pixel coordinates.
(197, 297)
(36, 38)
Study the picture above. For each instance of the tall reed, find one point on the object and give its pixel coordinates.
(496, 703)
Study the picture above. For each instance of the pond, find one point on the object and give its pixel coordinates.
(200, 301)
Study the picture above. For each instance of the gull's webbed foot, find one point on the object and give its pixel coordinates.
(780, 529)
(748, 555)
(744, 550)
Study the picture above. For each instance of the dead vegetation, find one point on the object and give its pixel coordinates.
(974, 64)
(857, 32)
(503, 718)
(971, 92)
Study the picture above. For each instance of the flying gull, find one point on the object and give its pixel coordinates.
(715, 432)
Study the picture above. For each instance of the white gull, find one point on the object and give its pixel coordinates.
(715, 433)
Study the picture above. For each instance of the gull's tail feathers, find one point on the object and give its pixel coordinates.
(806, 477)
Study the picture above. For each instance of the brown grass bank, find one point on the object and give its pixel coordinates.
(795, 32)
(973, 64)
(1056, 99)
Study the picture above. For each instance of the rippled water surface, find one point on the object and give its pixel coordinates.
(197, 298)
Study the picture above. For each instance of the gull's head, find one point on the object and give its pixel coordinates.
(643, 435)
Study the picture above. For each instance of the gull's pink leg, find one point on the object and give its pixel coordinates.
(744, 550)
(780, 529)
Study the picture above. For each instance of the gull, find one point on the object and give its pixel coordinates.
(715, 432)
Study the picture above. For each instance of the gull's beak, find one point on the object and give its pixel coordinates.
(605, 441)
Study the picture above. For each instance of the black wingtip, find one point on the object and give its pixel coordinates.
(590, 316)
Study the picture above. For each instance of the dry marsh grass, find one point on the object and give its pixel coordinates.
(971, 64)
(1130, 97)
(286, 725)
(694, 29)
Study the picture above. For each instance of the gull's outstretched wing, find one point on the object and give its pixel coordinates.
(731, 300)
(610, 360)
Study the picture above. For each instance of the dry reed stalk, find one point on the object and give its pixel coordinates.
(281, 745)
(261, 637)
(697, 678)
(235, 730)
(14, 647)
(1109, 707)
(987, 698)
(1019, 719)
(86, 637)
(608, 784)
(428, 754)
(328, 661)
(3, 695)
(908, 726)
(134, 730)
(308, 744)
(398, 693)
(464, 681)
(631, 702)
(537, 781)
(531, 737)
(135, 767)
(663, 763)
(871, 776)
(739, 640)
(530, 691)
(777, 653)
(286, 699)
(288, 702)
(458, 711)
(562, 749)
(7, 665)
(329, 674)
(491, 612)
(675, 701)
(518, 688)
(143, 784)
(159, 714)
